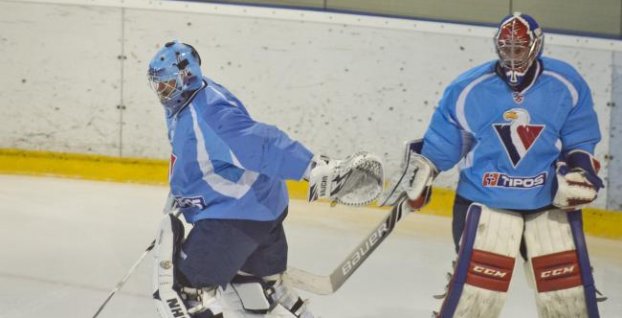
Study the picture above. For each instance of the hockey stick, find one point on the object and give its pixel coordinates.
(325, 285)
(125, 278)
(168, 208)
(420, 174)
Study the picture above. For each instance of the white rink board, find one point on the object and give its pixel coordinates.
(339, 83)
(60, 77)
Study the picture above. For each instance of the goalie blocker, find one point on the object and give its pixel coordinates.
(411, 187)
(577, 180)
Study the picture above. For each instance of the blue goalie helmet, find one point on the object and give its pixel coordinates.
(175, 74)
(518, 43)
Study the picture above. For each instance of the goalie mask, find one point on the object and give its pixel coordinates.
(518, 43)
(174, 74)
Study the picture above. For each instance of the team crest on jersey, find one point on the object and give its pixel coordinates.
(519, 135)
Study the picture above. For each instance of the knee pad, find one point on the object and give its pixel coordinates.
(172, 299)
(269, 295)
(560, 265)
(482, 273)
(254, 293)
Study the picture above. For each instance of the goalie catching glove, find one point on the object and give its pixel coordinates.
(356, 180)
(577, 181)
(411, 188)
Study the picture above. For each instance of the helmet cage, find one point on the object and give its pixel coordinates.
(518, 44)
(174, 73)
(167, 89)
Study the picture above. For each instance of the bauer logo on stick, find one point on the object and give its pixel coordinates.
(358, 255)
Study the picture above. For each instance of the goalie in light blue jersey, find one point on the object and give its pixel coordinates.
(227, 175)
(522, 130)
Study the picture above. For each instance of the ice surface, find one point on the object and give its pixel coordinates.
(66, 243)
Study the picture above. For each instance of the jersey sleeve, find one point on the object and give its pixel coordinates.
(581, 130)
(261, 147)
(444, 137)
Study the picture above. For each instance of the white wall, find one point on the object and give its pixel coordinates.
(338, 83)
(614, 199)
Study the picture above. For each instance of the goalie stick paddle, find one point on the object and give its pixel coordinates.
(326, 285)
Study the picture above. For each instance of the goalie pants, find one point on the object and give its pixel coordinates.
(216, 249)
(489, 242)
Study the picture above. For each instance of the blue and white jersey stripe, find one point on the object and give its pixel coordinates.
(225, 165)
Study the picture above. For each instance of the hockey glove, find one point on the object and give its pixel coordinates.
(577, 181)
(412, 186)
(356, 180)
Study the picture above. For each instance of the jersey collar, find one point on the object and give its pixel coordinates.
(530, 77)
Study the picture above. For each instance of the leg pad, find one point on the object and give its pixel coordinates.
(557, 271)
(490, 271)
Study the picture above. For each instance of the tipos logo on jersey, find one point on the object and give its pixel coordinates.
(501, 180)
(519, 135)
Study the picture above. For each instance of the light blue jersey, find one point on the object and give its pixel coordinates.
(225, 165)
(508, 142)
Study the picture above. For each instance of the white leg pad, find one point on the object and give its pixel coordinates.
(171, 298)
(490, 243)
(167, 298)
(555, 265)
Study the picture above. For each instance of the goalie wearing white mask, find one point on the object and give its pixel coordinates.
(523, 130)
(227, 176)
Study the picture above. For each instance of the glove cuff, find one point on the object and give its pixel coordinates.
(580, 159)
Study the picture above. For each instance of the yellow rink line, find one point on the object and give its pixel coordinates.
(597, 222)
